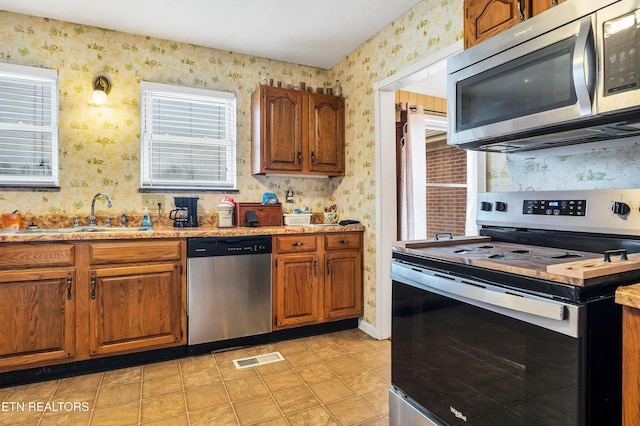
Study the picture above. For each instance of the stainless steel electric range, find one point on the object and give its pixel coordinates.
(517, 326)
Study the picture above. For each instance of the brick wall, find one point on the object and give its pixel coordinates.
(446, 207)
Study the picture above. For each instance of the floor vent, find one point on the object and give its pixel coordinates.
(258, 360)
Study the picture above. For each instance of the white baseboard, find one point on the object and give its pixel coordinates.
(369, 329)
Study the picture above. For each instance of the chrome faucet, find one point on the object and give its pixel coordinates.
(92, 218)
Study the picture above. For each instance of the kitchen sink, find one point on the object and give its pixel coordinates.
(80, 229)
(114, 229)
(46, 230)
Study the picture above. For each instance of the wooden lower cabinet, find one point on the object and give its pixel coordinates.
(630, 365)
(137, 296)
(63, 302)
(37, 317)
(316, 278)
(134, 308)
(297, 288)
(342, 295)
(38, 289)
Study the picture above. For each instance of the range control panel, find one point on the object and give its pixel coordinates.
(555, 207)
(607, 211)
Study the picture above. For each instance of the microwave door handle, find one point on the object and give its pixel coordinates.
(584, 67)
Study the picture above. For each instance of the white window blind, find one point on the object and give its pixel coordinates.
(28, 126)
(188, 138)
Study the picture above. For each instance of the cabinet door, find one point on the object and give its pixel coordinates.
(135, 308)
(37, 314)
(326, 134)
(296, 299)
(282, 129)
(539, 6)
(486, 18)
(343, 284)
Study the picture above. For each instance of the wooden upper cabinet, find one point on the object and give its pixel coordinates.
(326, 134)
(282, 118)
(485, 18)
(295, 132)
(539, 6)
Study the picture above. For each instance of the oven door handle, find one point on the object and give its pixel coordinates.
(550, 314)
(513, 301)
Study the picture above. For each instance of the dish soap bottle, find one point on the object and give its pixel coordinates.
(146, 221)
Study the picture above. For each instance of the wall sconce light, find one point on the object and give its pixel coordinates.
(101, 88)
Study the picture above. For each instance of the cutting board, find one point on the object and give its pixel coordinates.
(418, 244)
(593, 268)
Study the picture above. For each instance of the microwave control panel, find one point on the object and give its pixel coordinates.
(621, 57)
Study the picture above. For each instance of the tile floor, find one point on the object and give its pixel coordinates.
(339, 378)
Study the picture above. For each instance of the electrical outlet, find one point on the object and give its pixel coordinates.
(151, 201)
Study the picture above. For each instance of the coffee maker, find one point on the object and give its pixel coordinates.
(186, 213)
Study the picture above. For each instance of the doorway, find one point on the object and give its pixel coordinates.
(386, 204)
(444, 185)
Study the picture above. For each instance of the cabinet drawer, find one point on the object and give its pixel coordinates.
(348, 240)
(295, 243)
(35, 255)
(131, 252)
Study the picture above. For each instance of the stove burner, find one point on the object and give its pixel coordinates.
(567, 256)
(502, 253)
(469, 250)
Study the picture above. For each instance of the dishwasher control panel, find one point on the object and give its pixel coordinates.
(228, 246)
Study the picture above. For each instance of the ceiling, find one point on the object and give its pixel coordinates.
(317, 33)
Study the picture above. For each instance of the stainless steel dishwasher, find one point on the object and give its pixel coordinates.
(229, 288)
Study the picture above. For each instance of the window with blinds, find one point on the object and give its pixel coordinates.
(188, 138)
(28, 126)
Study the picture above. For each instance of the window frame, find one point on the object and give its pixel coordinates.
(45, 76)
(150, 91)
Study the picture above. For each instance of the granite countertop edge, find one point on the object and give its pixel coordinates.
(168, 232)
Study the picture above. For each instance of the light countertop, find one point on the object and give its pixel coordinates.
(170, 232)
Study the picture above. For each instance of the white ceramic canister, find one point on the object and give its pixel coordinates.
(225, 215)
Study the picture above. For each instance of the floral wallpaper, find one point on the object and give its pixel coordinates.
(429, 27)
(99, 147)
(613, 164)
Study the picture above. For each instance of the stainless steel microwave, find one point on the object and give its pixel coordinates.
(569, 75)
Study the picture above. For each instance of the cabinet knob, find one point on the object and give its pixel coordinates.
(344, 241)
(313, 157)
(299, 157)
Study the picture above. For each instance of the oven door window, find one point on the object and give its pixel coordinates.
(538, 82)
(467, 365)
